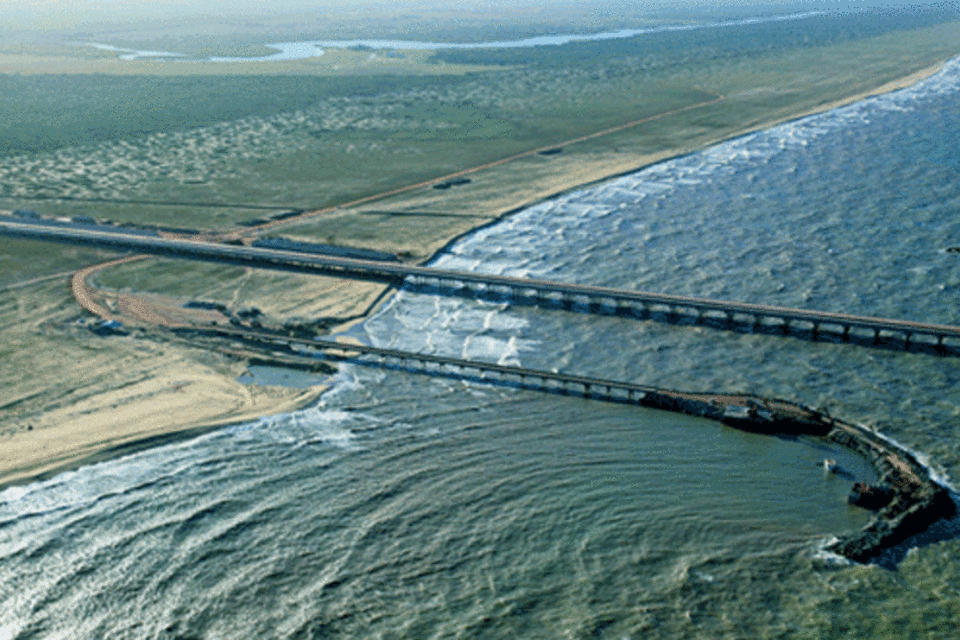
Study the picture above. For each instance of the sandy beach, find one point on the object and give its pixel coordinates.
(153, 393)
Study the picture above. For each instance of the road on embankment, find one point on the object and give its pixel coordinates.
(450, 282)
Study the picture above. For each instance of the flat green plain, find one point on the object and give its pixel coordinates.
(313, 138)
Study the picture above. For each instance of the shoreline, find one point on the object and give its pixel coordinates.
(34, 461)
(84, 453)
(666, 156)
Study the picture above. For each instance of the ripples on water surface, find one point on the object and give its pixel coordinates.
(405, 506)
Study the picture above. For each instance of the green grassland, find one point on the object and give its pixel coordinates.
(199, 215)
(47, 112)
(24, 260)
(147, 148)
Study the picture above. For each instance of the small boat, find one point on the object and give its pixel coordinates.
(831, 466)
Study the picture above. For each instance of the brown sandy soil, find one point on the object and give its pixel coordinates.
(57, 413)
(96, 393)
(177, 397)
(84, 295)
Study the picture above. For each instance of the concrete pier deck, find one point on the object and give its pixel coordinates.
(721, 313)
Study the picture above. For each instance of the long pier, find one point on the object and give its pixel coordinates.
(761, 414)
(914, 500)
(673, 308)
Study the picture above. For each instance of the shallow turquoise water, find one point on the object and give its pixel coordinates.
(408, 506)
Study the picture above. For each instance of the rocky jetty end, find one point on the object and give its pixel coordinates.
(907, 498)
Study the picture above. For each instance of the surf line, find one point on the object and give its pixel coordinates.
(908, 498)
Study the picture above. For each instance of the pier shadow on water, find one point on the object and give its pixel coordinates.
(885, 341)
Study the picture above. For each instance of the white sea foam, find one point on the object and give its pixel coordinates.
(938, 476)
(88, 484)
(821, 553)
(317, 424)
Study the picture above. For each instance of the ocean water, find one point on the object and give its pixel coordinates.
(404, 506)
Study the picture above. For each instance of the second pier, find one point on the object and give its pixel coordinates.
(725, 313)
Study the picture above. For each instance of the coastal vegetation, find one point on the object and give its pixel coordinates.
(445, 505)
(316, 140)
(356, 140)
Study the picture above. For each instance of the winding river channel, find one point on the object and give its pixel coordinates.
(300, 50)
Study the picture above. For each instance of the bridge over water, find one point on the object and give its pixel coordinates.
(918, 500)
(935, 338)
